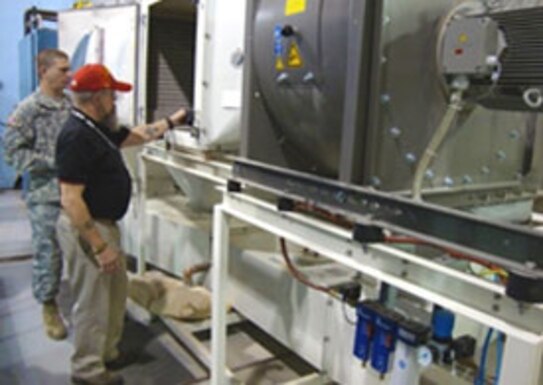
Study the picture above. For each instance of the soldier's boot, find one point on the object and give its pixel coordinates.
(52, 321)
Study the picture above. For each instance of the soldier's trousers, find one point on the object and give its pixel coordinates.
(47, 263)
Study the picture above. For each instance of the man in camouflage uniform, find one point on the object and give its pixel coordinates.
(29, 142)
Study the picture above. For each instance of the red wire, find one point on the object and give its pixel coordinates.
(295, 272)
(344, 222)
(451, 252)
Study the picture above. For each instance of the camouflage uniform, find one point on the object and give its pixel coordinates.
(29, 144)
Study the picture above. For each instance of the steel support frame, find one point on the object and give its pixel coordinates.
(468, 296)
(513, 247)
(196, 164)
(141, 212)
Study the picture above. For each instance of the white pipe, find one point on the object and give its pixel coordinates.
(435, 143)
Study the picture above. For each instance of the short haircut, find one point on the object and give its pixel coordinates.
(47, 57)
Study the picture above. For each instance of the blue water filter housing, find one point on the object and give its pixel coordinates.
(442, 324)
(366, 313)
(384, 340)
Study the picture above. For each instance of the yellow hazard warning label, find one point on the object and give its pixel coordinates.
(293, 7)
(279, 65)
(294, 58)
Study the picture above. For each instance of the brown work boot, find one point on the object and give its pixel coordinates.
(105, 378)
(120, 361)
(52, 321)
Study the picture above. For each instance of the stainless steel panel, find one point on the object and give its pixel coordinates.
(371, 125)
(485, 147)
(304, 101)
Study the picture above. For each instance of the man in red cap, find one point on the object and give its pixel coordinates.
(95, 192)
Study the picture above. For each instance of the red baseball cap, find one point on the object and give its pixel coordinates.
(96, 77)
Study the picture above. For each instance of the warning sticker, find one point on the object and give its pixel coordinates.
(293, 7)
(294, 58)
(279, 65)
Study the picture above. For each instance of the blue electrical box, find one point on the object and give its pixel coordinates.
(29, 47)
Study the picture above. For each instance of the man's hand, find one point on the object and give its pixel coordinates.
(182, 116)
(109, 260)
(145, 133)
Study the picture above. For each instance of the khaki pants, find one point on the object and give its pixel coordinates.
(99, 299)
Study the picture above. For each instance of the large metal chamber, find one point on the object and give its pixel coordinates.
(354, 91)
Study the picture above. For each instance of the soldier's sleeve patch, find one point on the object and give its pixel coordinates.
(14, 122)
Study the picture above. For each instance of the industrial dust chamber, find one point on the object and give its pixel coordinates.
(438, 100)
(176, 53)
(151, 47)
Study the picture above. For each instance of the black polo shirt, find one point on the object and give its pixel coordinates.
(88, 153)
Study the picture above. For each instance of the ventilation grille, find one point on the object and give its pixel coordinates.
(522, 62)
(171, 66)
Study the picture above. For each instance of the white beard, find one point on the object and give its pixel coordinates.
(111, 121)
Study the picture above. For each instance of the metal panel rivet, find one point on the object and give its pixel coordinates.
(282, 78)
(514, 134)
(237, 58)
(395, 132)
(410, 158)
(341, 197)
(309, 77)
(375, 181)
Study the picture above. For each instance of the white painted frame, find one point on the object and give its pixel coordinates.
(522, 324)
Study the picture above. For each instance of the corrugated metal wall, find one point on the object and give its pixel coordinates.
(171, 66)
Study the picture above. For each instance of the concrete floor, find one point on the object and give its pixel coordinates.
(28, 357)
(15, 239)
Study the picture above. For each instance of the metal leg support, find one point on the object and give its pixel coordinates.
(142, 198)
(219, 271)
(522, 361)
